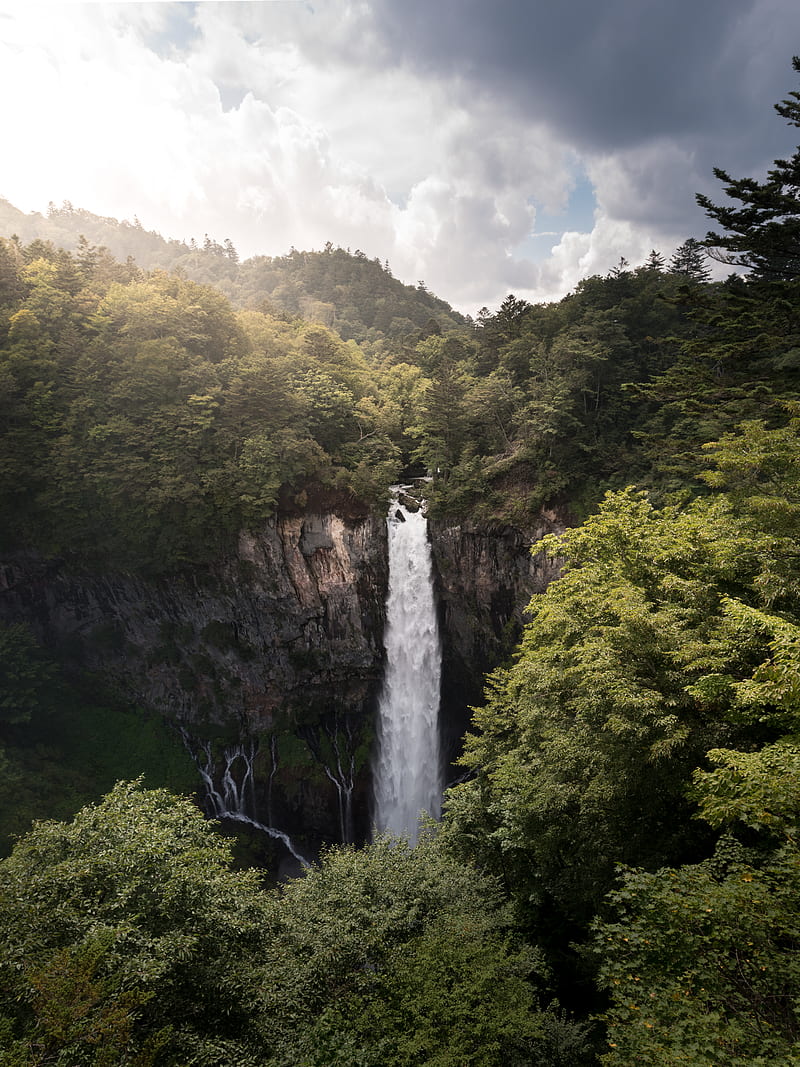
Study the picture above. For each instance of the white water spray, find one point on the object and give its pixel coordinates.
(407, 769)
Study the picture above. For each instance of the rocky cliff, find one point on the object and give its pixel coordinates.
(271, 662)
(281, 643)
(486, 577)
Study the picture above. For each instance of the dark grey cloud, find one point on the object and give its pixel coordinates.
(444, 134)
(609, 75)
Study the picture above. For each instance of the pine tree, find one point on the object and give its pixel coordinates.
(689, 259)
(621, 268)
(764, 233)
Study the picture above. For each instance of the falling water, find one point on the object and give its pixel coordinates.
(407, 766)
(234, 797)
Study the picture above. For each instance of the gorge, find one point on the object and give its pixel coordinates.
(271, 661)
(202, 601)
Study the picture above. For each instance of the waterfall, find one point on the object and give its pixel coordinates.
(333, 744)
(234, 797)
(407, 771)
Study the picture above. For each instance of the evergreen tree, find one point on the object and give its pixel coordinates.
(622, 267)
(764, 233)
(689, 259)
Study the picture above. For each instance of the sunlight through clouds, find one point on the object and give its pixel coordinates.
(431, 136)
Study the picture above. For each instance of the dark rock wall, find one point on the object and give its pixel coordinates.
(486, 578)
(296, 617)
(283, 644)
(283, 640)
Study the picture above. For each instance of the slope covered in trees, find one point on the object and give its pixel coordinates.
(626, 834)
(127, 939)
(634, 770)
(650, 721)
(333, 287)
(146, 421)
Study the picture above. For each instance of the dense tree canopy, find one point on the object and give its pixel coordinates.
(145, 421)
(124, 934)
(126, 939)
(625, 831)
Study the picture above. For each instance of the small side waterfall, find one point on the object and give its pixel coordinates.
(407, 770)
(333, 745)
(233, 799)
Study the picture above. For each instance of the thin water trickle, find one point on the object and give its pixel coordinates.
(407, 769)
(233, 799)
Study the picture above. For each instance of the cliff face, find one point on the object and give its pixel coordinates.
(486, 578)
(296, 617)
(271, 662)
(282, 643)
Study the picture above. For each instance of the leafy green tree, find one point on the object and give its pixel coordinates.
(329, 409)
(126, 939)
(758, 470)
(569, 372)
(392, 955)
(740, 364)
(741, 360)
(145, 422)
(492, 406)
(759, 790)
(702, 962)
(650, 650)
(671, 640)
(164, 306)
(442, 423)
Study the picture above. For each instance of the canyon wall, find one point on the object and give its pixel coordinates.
(486, 577)
(281, 645)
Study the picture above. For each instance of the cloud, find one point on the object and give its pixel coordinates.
(439, 136)
(650, 96)
(606, 75)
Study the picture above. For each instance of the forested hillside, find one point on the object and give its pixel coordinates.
(334, 287)
(634, 771)
(616, 878)
(147, 420)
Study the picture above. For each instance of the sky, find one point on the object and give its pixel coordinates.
(484, 147)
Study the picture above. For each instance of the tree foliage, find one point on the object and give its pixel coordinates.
(659, 680)
(146, 422)
(126, 939)
(763, 234)
(702, 962)
(628, 819)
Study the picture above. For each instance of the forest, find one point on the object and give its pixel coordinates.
(615, 878)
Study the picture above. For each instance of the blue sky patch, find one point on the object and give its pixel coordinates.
(578, 216)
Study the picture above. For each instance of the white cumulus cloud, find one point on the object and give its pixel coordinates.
(429, 135)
